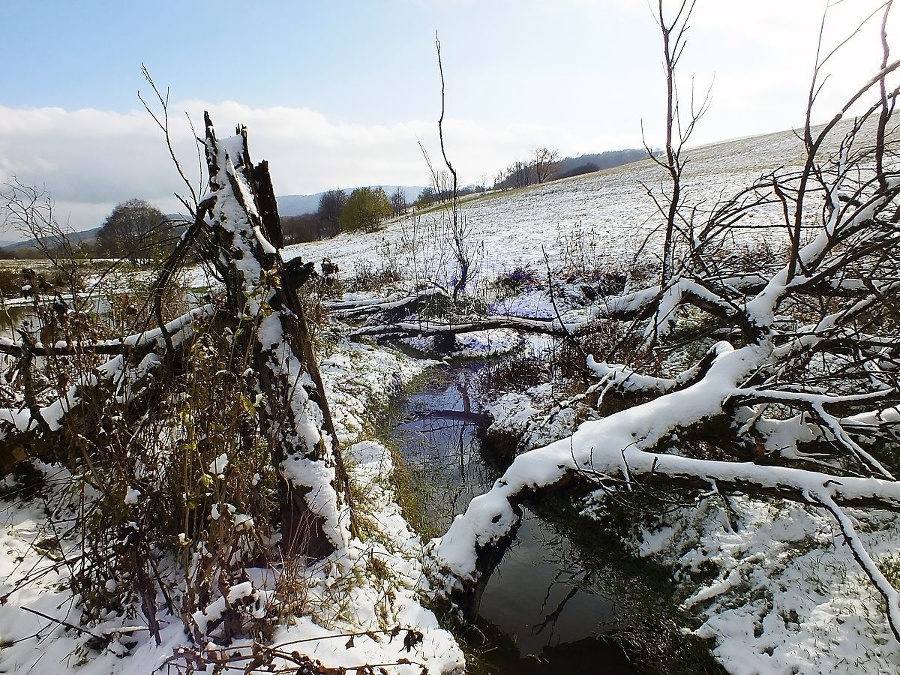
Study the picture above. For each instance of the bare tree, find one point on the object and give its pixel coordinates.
(521, 173)
(31, 212)
(160, 116)
(463, 248)
(545, 163)
(331, 203)
(680, 126)
(444, 186)
(398, 202)
(136, 230)
(797, 395)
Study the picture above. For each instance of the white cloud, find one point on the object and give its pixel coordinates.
(760, 57)
(89, 160)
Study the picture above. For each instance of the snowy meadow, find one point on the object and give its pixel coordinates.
(685, 368)
(773, 585)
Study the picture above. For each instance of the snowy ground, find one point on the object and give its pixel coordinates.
(778, 588)
(362, 604)
(780, 593)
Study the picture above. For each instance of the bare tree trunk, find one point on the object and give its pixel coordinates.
(295, 417)
(238, 226)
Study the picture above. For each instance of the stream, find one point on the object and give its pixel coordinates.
(535, 616)
(543, 611)
(12, 318)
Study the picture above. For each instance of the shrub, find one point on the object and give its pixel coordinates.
(365, 209)
(517, 280)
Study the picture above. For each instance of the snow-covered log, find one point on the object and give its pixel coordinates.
(436, 328)
(800, 402)
(390, 310)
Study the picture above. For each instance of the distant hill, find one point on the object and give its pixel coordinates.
(75, 238)
(574, 166)
(87, 237)
(298, 205)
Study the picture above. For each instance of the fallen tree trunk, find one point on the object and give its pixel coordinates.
(58, 431)
(390, 310)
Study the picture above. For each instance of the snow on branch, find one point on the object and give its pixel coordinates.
(620, 447)
(111, 346)
(34, 431)
(295, 414)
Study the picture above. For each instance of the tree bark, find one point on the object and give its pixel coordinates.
(295, 417)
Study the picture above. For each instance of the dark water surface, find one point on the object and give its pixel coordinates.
(535, 617)
(12, 318)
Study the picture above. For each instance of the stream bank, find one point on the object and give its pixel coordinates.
(563, 600)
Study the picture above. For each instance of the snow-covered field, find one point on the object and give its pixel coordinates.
(608, 212)
(774, 585)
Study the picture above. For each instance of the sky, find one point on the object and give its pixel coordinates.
(340, 93)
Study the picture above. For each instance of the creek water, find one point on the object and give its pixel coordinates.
(12, 318)
(535, 615)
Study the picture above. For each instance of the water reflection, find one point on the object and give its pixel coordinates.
(555, 609)
(537, 615)
(12, 318)
(439, 441)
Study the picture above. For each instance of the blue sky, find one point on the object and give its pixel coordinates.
(337, 93)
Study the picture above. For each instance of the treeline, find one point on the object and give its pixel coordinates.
(540, 168)
(575, 166)
(138, 231)
(135, 230)
(364, 209)
(546, 165)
